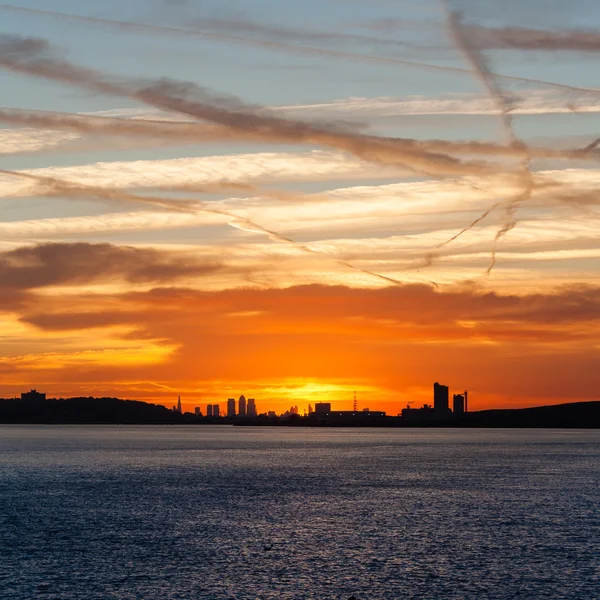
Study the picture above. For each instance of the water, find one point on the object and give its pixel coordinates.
(244, 513)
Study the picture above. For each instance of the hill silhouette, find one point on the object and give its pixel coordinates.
(88, 410)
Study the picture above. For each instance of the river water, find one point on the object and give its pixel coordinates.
(222, 512)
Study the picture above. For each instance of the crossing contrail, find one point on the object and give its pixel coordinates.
(279, 45)
(53, 186)
(32, 56)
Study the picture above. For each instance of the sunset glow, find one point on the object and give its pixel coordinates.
(293, 215)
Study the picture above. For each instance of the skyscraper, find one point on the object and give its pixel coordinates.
(251, 407)
(242, 406)
(216, 410)
(458, 404)
(231, 407)
(197, 411)
(440, 400)
(209, 410)
(179, 405)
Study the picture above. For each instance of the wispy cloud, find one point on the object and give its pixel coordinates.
(277, 45)
(522, 38)
(33, 57)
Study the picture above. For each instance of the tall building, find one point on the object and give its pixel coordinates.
(179, 410)
(209, 410)
(242, 406)
(251, 407)
(322, 408)
(216, 410)
(197, 411)
(231, 407)
(440, 400)
(458, 404)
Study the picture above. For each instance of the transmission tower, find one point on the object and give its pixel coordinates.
(355, 403)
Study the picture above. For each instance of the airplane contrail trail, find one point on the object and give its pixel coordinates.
(201, 132)
(30, 56)
(278, 45)
(475, 58)
(522, 38)
(51, 186)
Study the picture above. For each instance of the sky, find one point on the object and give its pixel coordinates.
(300, 201)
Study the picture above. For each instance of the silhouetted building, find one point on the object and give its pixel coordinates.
(310, 409)
(458, 404)
(418, 414)
(197, 411)
(251, 407)
(179, 410)
(242, 406)
(231, 407)
(322, 408)
(209, 410)
(271, 414)
(216, 410)
(33, 396)
(440, 400)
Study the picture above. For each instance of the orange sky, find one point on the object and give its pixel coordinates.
(292, 223)
(298, 345)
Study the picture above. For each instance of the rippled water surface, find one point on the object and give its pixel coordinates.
(239, 513)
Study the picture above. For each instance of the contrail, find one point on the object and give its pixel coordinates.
(577, 40)
(203, 132)
(51, 186)
(480, 68)
(293, 48)
(22, 55)
(478, 62)
(99, 125)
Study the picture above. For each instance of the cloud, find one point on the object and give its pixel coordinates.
(576, 40)
(30, 140)
(44, 265)
(186, 132)
(409, 311)
(388, 338)
(526, 102)
(33, 57)
(204, 171)
(279, 45)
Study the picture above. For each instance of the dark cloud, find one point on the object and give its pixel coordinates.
(46, 265)
(505, 316)
(576, 40)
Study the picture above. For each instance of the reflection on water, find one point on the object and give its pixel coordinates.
(246, 513)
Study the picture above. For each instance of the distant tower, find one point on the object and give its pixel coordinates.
(231, 407)
(179, 405)
(209, 410)
(197, 411)
(251, 407)
(440, 400)
(458, 404)
(216, 410)
(242, 406)
(466, 401)
(355, 403)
